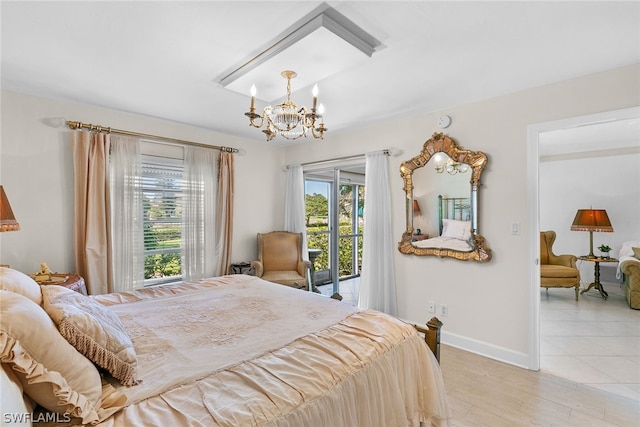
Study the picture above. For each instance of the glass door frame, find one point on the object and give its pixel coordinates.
(331, 176)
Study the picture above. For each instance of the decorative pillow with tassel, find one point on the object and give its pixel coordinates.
(94, 330)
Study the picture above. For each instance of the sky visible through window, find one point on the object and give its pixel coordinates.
(317, 187)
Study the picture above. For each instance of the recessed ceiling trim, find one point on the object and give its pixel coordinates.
(622, 151)
(350, 32)
(321, 17)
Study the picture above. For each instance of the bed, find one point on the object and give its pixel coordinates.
(454, 226)
(228, 351)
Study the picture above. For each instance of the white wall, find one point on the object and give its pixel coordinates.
(36, 171)
(489, 307)
(489, 304)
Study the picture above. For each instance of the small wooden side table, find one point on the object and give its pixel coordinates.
(418, 237)
(242, 268)
(313, 254)
(68, 280)
(596, 280)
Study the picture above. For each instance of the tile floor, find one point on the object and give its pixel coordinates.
(592, 341)
(347, 288)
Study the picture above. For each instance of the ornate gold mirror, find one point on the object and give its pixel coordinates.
(441, 185)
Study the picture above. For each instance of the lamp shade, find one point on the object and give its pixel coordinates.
(592, 220)
(416, 207)
(7, 219)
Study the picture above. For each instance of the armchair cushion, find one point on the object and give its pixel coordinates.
(557, 272)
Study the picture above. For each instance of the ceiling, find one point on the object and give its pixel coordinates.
(601, 138)
(164, 59)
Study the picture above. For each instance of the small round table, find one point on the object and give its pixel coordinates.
(596, 280)
(68, 280)
(313, 254)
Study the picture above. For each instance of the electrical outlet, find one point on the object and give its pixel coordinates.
(432, 307)
(444, 310)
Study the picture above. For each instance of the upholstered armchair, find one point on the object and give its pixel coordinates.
(557, 271)
(280, 259)
(629, 267)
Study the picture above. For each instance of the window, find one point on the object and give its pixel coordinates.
(163, 213)
(162, 197)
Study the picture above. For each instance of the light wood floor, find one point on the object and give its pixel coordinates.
(485, 392)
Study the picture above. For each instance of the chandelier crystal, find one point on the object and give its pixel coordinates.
(286, 119)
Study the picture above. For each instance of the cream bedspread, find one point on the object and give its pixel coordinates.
(239, 351)
(440, 242)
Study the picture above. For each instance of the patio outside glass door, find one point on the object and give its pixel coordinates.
(334, 223)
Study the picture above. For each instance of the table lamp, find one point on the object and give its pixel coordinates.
(592, 220)
(7, 219)
(416, 212)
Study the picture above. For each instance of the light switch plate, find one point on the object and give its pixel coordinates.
(515, 228)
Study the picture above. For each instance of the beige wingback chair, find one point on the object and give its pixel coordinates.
(557, 271)
(280, 259)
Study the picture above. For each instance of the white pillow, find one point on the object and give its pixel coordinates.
(13, 401)
(19, 283)
(627, 248)
(455, 229)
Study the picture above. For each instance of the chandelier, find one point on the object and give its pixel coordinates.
(451, 167)
(287, 119)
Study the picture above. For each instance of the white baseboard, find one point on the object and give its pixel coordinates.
(501, 354)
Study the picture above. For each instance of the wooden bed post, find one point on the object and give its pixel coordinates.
(432, 335)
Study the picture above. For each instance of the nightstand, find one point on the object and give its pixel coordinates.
(417, 237)
(68, 280)
(242, 268)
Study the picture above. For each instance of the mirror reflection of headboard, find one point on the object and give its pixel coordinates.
(458, 237)
(458, 208)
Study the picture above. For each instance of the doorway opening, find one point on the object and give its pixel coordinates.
(334, 205)
(571, 339)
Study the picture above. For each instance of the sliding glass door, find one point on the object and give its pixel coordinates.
(334, 206)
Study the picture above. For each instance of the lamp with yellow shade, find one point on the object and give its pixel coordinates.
(592, 220)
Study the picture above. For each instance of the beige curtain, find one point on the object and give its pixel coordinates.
(224, 214)
(92, 248)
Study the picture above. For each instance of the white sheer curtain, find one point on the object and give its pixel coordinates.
(126, 214)
(294, 206)
(198, 216)
(377, 279)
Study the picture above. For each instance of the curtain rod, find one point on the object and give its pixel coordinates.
(98, 128)
(388, 151)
